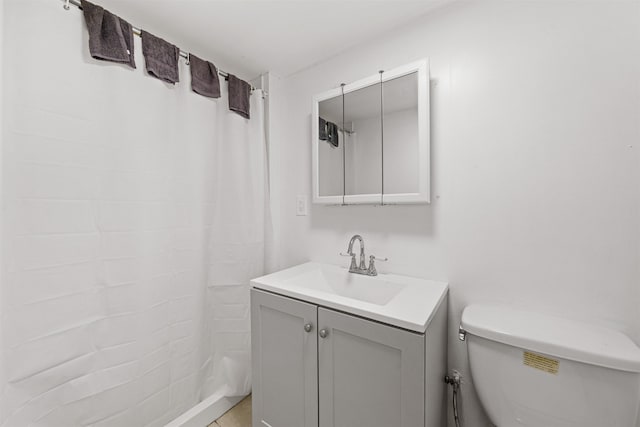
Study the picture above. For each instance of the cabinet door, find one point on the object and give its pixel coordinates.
(285, 367)
(369, 374)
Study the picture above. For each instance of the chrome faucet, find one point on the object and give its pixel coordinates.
(362, 268)
(353, 267)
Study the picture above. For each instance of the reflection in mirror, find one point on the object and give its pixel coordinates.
(401, 164)
(363, 141)
(331, 147)
(371, 139)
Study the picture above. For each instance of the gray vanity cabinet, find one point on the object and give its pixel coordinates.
(285, 364)
(370, 374)
(314, 366)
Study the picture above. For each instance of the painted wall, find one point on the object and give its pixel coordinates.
(535, 163)
(2, 374)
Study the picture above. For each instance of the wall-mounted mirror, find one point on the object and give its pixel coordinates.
(371, 139)
(363, 142)
(330, 148)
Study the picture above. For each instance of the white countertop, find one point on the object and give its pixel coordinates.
(401, 301)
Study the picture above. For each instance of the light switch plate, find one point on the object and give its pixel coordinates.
(302, 205)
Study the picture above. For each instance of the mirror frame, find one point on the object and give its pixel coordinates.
(424, 144)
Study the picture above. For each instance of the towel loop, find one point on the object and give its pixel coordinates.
(186, 59)
(66, 5)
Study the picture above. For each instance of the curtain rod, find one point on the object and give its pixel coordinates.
(138, 32)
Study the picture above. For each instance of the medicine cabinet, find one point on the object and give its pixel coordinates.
(371, 139)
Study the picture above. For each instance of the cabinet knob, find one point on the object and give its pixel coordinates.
(323, 333)
(308, 327)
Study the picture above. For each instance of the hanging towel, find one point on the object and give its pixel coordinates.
(161, 58)
(332, 134)
(110, 37)
(204, 77)
(239, 94)
(322, 129)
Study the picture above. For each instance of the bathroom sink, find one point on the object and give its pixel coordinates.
(402, 301)
(373, 290)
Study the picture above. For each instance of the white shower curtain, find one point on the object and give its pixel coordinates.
(133, 221)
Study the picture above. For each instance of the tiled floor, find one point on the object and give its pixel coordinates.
(238, 416)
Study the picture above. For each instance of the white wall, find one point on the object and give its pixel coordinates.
(535, 163)
(2, 375)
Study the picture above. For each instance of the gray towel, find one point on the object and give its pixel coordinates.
(332, 134)
(110, 37)
(161, 58)
(204, 77)
(239, 94)
(322, 129)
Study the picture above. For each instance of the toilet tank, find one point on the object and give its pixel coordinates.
(541, 371)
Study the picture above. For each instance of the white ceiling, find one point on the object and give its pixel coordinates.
(249, 37)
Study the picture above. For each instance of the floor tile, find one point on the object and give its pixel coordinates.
(238, 416)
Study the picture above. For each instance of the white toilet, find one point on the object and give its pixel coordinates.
(541, 371)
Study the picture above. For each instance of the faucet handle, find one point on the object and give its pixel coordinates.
(371, 271)
(352, 266)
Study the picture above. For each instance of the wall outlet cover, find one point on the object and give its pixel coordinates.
(302, 205)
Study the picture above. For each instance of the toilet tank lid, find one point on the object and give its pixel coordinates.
(554, 336)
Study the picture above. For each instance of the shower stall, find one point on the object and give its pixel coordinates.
(133, 217)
